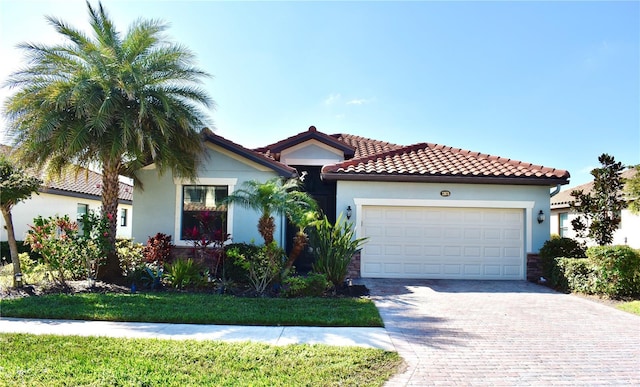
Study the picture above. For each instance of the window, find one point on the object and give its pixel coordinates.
(123, 217)
(563, 218)
(202, 201)
(82, 210)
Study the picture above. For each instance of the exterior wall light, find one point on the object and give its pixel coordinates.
(541, 216)
(349, 212)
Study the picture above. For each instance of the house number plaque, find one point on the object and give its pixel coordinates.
(445, 193)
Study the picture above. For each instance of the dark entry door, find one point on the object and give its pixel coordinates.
(324, 192)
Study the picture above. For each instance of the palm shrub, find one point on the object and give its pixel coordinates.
(333, 247)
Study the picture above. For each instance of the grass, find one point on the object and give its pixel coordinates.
(197, 309)
(31, 360)
(631, 307)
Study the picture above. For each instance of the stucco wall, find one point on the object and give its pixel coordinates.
(47, 205)
(464, 194)
(158, 205)
(628, 233)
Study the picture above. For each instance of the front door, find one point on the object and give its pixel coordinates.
(324, 193)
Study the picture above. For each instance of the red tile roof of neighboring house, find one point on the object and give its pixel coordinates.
(86, 182)
(563, 199)
(433, 162)
(83, 183)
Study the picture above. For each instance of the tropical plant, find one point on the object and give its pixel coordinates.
(632, 190)
(120, 101)
(273, 197)
(208, 242)
(333, 247)
(15, 186)
(158, 249)
(599, 211)
(184, 273)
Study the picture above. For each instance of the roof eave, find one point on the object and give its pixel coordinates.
(551, 182)
(279, 168)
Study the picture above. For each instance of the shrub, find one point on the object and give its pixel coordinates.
(617, 270)
(333, 247)
(263, 267)
(158, 249)
(311, 285)
(233, 270)
(183, 273)
(574, 275)
(131, 256)
(559, 247)
(66, 253)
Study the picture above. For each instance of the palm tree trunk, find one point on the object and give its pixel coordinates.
(299, 241)
(13, 246)
(110, 271)
(266, 228)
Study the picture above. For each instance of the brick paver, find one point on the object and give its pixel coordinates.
(505, 333)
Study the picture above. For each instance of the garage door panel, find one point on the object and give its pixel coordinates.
(427, 242)
(492, 270)
(452, 269)
(452, 233)
(513, 252)
(472, 233)
(472, 270)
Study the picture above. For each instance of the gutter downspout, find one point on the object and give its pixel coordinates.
(555, 191)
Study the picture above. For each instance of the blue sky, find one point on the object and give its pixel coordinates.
(551, 83)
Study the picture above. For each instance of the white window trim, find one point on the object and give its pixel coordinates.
(179, 183)
(526, 205)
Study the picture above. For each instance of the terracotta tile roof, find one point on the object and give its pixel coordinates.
(273, 150)
(433, 162)
(564, 198)
(86, 182)
(365, 146)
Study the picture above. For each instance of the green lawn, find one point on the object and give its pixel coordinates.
(631, 307)
(30, 360)
(197, 309)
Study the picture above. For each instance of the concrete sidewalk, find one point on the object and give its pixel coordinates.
(358, 337)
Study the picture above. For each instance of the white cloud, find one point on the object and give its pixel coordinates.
(358, 101)
(332, 98)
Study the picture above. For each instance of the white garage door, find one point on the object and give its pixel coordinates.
(438, 242)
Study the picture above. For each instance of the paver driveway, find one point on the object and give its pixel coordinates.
(505, 333)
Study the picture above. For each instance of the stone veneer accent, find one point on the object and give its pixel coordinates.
(534, 267)
(353, 270)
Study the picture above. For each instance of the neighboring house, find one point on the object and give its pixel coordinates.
(561, 216)
(429, 211)
(71, 195)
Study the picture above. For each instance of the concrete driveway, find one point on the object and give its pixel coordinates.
(505, 333)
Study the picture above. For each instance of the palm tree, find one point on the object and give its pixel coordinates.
(118, 101)
(273, 197)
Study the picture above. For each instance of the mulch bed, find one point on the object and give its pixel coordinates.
(75, 287)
